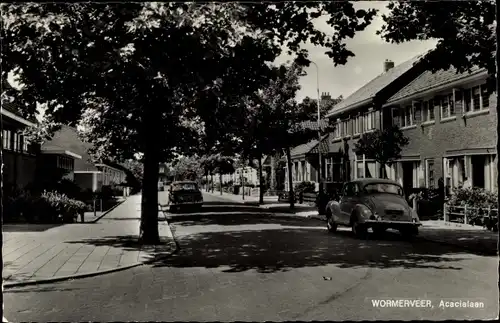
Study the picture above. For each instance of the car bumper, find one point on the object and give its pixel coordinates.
(186, 203)
(391, 224)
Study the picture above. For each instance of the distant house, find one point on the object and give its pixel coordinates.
(87, 174)
(19, 157)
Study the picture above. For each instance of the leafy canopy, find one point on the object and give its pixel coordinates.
(105, 65)
(465, 31)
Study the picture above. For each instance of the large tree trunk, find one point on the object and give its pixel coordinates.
(261, 184)
(243, 183)
(220, 182)
(290, 178)
(149, 204)
(273, 174)
(212, 181)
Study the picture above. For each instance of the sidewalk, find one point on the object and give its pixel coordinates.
(80, 249)
(473, 238)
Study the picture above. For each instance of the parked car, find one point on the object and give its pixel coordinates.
(185, 194)
(379, 204)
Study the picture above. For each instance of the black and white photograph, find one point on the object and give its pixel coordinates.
(249, 161)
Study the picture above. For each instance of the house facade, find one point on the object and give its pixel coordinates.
(19, 156)
(361, 113)
(451, 122)
(88, 174)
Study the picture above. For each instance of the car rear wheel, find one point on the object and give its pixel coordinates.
(379, 231)
(330, 224)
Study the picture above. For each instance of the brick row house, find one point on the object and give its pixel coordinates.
(449, 118)
(28, 164)
(19, 157)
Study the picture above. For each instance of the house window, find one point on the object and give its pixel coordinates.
(428, 111)
(476, 98)
(407, 116)
(357, 125)
(417, 113)
(6, 139)
(370, 169)
(16, 142)
(369, 121)
(337, 133)
(396, 117)
(25, 144)
(430, 173)
(447, 107)
(162, 170)
(345, 129)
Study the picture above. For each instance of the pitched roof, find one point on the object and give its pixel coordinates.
(313, 125)
(67, 138)
(428, 80)
(304, 148)
(10, 110)
(323, 145)
(370, 90)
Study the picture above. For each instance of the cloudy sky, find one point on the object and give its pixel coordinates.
(370, 52)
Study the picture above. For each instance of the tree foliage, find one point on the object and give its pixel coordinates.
(186, 168)
(465, 31)
(384, 146)
(158, 78)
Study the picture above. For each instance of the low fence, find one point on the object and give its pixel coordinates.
(470, 215)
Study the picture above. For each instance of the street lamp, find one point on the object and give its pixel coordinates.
(319, 128)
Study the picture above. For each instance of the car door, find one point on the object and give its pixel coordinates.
(346, 203)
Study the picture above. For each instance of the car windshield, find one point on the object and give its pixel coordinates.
(184, 187)
(374, 188)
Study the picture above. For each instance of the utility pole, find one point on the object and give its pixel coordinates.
(320, 164)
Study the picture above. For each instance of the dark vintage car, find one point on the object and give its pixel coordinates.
(185, 194)
(379, 204)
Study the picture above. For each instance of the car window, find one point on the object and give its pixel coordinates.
(374, 188)
(349, 189)
(184, 187)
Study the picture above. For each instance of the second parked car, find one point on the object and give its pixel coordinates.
(183, 195)
(372, 203)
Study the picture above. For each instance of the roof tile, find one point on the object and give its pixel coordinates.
(428, 80)
(370, 90)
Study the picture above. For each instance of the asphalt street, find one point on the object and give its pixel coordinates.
(239, 263)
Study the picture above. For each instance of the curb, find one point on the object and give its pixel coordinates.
(69, 277)
(101, 272)
(106, 213)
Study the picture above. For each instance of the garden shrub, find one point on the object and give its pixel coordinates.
(478, 200)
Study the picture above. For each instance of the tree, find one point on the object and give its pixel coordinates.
(465, 32)
(287, 128)
(325, 106)
(223, 165)
(384, 146)
(186, 169)
(146, 77)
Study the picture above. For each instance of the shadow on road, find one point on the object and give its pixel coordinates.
(242, 218)
(27, 227)
(298, 243)
(281, 250)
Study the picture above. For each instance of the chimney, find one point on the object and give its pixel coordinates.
(388, 65)
(325, 96)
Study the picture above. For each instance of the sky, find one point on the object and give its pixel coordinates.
(370, 52)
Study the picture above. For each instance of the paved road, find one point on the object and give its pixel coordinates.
(240, 263)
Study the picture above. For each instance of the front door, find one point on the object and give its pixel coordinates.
(407, 176)
(478, 163)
